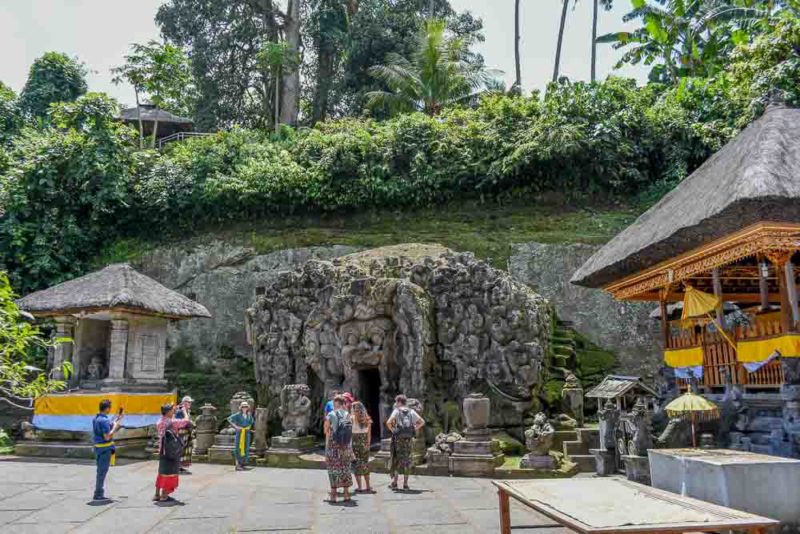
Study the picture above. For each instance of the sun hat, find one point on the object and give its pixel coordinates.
(187, 398)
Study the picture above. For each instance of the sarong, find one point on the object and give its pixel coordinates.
(360, 454)
(186, 435)
(168, 478)
(402, 461)
(337, 460)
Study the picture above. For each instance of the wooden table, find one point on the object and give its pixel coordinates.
(611, 505)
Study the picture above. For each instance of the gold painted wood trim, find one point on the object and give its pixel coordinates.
(764, 237)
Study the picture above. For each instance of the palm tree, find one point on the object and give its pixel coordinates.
(686, 37)
(565, 5)
(607, 4)
(518, 79)
(439, 73)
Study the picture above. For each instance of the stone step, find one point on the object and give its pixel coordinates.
(585, 462)
(572, 448)
(563, 340)
(561, 436)
(589, 436)
(564, 350)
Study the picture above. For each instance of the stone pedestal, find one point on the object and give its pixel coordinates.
(534, 461)
(438, 462)
(285, 451)
(476, 454)
(222, 450)
(637, 469)
(205, 429)
(605, 461)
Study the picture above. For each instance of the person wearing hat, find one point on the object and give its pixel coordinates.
(242, 421)
(183, 411)
(348, 400)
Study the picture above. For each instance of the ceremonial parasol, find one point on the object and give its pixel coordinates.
(696, 304)
(694, 407)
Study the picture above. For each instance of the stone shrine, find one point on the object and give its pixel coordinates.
(414, 319)
(572, 396)
(606, 455)
(634, 450)
(295, 412)
(205, 429)
(476, 454)
(539, 440)
(438, 455)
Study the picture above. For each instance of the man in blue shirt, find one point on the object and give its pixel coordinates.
(329, 404)
(103, 430)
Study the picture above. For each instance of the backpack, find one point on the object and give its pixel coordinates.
(171, 444)
(343, 433)
(404, 427)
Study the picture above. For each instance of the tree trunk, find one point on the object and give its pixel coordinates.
(431, 8)
(560, 39)
(139, 118)
(277, 100)
(594, 39)
(155, 129)
(518, 79)
(325, 73)
(290, 92)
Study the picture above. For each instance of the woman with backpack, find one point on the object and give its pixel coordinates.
(242, 422)
(170, 451)
(404, 423)
(362, 427)
(338, 452)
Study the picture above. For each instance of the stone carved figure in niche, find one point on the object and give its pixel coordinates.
(641, 440)
(572, 395)
(363, 342)
(609, 417)
(539, 438)
(94, 371)
(295, 410)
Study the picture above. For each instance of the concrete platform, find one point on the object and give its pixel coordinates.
(755, 483)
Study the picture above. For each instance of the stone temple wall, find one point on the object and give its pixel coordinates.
(420, 320)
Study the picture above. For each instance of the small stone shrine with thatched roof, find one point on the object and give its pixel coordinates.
(117, 319)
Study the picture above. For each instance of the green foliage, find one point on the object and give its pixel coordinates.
(10, 119)
(63, 191)
(438, 74)
(54, 77)
(20, 382)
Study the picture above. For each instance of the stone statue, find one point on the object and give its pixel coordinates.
(539, 440)
(94, 371)
(295, 410)
(640, 420)
(609, 417)
(564, 422)
(443, 443)
(205, 429)
(396, 317)
(539, 437)
(572, 395)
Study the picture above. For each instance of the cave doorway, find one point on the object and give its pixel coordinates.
(370, 386)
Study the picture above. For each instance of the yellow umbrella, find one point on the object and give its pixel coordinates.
(693, 406)
(697, 303)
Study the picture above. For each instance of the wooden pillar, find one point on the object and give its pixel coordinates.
(791, 292)
(664, 322)
(505, 512)
(763, 285)
(717, 282)
(786, 307)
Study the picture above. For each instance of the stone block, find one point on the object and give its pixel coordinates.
(605, 462)
(637, 469)
(532, 461)
(755, 483)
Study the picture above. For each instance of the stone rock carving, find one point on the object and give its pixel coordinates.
(609, 417)
(414, 319)
(260, 430)
(539, 437)
(572, 395)
(640, 421)
(206, 428)
(94, 371)
(444, 443)
(295, 410)
(539, 440)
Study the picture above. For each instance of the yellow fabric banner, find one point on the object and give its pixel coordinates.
(87, 403)
(689, 357)
(758, 350)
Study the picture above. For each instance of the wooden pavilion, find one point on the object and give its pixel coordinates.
(731, 229)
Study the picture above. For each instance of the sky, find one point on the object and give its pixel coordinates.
(99, 33)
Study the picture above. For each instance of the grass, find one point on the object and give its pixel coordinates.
(490, 231)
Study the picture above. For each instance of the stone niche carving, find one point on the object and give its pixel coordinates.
(414, 319)
(295, 410)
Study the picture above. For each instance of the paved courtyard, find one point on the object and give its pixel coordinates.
(49, 497)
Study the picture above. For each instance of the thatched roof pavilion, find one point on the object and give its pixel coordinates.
(168, 123)
(117, 319)
(732, 228)
(118, 287)
(754, 178)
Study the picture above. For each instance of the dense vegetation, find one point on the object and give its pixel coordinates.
(75, 179)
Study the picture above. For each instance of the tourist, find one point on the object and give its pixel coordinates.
(404, 423)
(184, 412)
(170, 450)
(338, 451)
(242, 421)
(348, 400)
(103, 430)
(329, 404)
(362, 425)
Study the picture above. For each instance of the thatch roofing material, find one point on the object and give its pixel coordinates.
(117, 287)
(754, 178)
(150, 114)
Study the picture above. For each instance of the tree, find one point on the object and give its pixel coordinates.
(54, 77)
(10, 119)
(596, 4)
(687, 37)
(160, 72)
(439, 73)
(290, 95)
(21, 382)
(560, 41)
(517, 68)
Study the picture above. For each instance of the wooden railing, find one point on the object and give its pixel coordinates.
(180, 136)
(719, 357)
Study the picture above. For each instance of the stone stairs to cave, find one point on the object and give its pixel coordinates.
(577, 450)
(565, 355)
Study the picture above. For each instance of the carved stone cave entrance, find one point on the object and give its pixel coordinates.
(369, 392)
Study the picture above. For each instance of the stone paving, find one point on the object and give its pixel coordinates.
(52, 497)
